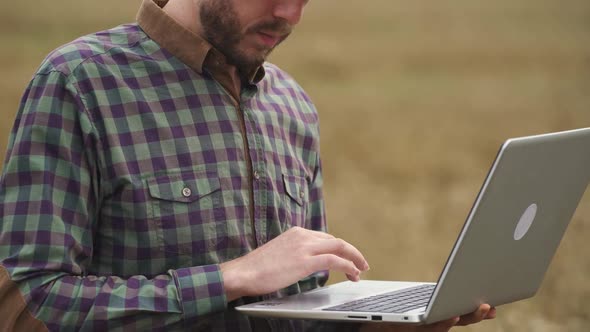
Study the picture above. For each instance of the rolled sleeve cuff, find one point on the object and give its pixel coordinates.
(200, 289)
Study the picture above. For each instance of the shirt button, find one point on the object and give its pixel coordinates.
(256, 175)
(186, 192)
(301, 194)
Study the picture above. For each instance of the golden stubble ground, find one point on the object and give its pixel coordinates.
(414, 98)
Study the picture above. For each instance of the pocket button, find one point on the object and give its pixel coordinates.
(186, 192)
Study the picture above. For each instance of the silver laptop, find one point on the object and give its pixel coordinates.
(501, 254)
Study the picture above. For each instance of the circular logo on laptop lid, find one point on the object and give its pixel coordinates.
(525, 222)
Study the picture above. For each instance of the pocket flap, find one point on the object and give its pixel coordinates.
(183, 187)
(295, 187)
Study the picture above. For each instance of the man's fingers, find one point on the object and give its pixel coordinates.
(321, 235)
(491, 314)
(476, 316)
(443, 326)
(308, 232)
(342, 249)
(324, 243)
(333, 262)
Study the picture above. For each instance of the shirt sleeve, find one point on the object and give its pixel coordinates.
(49, 208)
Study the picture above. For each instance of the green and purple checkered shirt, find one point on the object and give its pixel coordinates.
(132, 173)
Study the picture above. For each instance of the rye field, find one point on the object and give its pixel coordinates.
(414, 98)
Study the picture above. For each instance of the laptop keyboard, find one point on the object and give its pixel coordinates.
(394, 302)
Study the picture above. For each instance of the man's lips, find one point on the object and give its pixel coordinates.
(268, 40)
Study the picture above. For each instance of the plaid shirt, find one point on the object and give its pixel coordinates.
(134, 170)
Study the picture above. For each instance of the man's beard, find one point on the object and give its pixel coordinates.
(222, 29)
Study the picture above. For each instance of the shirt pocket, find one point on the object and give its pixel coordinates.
(295, 200)
(183, 208)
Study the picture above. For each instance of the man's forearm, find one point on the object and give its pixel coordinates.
(102, 303)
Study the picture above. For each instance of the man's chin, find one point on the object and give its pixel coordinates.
(248, 62)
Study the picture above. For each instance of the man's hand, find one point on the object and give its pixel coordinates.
(483, 312)
(288, 258)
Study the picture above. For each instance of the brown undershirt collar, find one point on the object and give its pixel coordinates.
(190, 48)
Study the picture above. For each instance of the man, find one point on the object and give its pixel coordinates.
(160, 174)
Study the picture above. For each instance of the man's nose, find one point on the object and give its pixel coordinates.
(289, 10)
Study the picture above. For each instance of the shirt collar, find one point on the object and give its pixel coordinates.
(190, 48)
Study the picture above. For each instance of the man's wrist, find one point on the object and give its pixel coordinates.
(233, 280)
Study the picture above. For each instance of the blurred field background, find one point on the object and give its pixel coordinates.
(415, 98)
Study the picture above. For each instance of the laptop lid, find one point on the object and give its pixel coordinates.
(516, 223)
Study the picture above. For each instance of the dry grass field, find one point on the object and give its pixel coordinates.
(415, 98)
